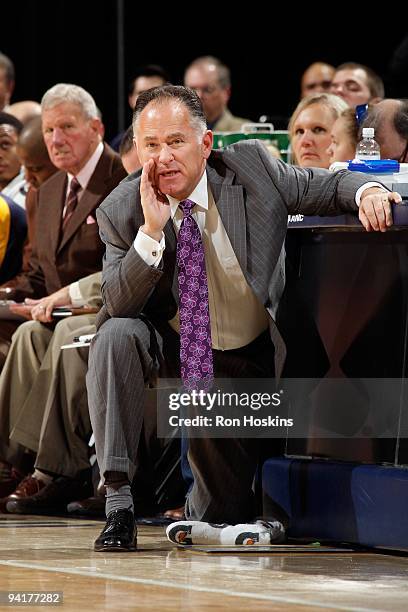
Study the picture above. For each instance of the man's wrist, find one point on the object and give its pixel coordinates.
(75, 296)
(154, 234)
(371, 190)
(366, 189)
(149, 249)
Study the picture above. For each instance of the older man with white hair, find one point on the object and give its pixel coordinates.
(67, 248)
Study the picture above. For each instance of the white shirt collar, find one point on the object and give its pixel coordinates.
(87, 171)
(199, 195)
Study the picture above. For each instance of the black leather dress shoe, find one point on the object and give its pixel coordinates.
(119, 533)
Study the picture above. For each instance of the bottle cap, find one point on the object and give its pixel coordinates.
(368, 132)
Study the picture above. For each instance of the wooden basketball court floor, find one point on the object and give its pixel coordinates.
(55, 554)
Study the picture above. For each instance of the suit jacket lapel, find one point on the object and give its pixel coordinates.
(52, 197)
(229, 200)
(90, 198)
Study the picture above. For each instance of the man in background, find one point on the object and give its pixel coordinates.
(211, 80)
(128, 152)
(145, 78)
(357, 84)
(12, 181)
(389, 118)
(317, 78)
(37, 167)
(25, 110)
(6, 81)
(33, 154)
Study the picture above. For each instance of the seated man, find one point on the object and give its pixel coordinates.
(316, 78)
(67, 245)
(12, 181)
(43, 387)
(37, 166)
(13, 232)
(7, 81)
(144, 78)
(33, 154)
(198, 235)
(211, 79)
(128, 152)
(357, 84)
(25, 110)
(389, 118)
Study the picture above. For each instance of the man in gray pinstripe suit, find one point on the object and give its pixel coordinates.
(242, 197)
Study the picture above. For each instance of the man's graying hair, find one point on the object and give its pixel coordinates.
(401, 119)
(223, 72)
(66, 92)
(184, 95)
(375, 119)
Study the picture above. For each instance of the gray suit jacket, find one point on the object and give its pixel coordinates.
(254, 194)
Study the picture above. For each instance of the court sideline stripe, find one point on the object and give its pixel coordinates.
(149, 581)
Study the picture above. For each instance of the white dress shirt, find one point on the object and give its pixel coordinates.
(85, 173)
(237, 316)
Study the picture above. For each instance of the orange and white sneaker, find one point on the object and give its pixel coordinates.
(260, 533)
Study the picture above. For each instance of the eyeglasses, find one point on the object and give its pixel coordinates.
(206, 91)
(323, 84)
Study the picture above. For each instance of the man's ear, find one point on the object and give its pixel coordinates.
(226, 94)
(207, 143)
(11, 86)
(98, 127)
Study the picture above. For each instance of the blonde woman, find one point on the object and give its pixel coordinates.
(310, 128)
(344, 137)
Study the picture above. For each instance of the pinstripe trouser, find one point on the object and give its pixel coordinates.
(125, 356)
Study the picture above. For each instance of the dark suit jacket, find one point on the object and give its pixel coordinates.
(254, 193)
(60, 258)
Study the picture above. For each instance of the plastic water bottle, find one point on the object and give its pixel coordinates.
(368, 148)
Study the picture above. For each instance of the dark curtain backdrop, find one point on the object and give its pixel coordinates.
(76, 41)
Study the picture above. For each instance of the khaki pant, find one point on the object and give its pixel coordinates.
(7, 329)
(43, 400)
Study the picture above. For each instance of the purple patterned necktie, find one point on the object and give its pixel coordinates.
(196, 357)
